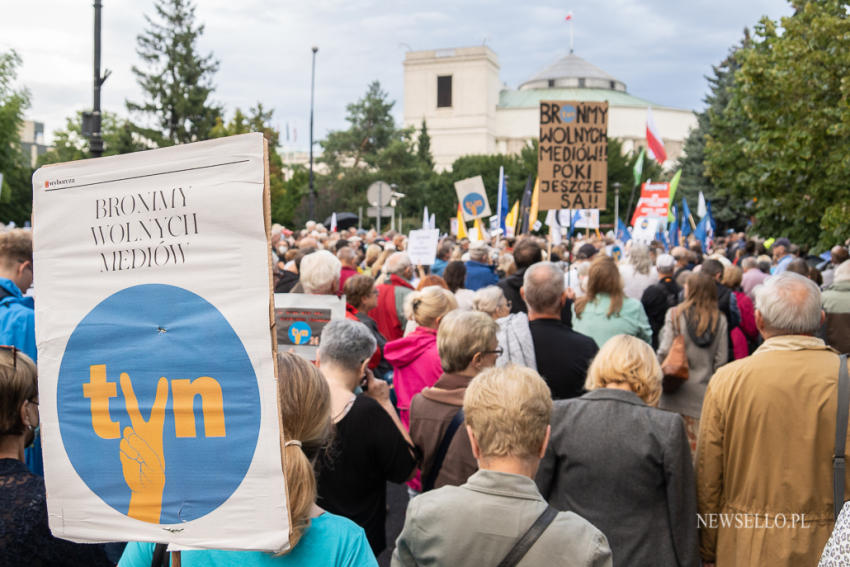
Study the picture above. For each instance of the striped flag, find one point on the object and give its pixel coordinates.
(461, 226)
(653, 139)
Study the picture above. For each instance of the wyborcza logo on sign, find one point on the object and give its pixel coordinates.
(59, 182)
(473, 204)
(158, 404)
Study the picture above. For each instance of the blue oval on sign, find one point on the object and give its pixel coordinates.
(473, 204)
(154, 388)
(300, 333)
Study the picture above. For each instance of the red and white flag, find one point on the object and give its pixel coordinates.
(569, 16)
(333, 222)
(653, 139)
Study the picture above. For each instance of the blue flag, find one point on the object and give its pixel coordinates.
(686, 218)
(576, 216)
(674, 227)
(503, 201)
(623, 232)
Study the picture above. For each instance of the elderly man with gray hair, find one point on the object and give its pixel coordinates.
(393, 288)
(766, 438)
(320, 273)
(370, 445)
(541, 340)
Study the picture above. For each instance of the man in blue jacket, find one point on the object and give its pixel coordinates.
(480, 272)
(17, 313)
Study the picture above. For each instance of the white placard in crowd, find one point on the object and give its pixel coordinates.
(587, 218)
(156, 363)
(300, 318)
(645, 229)
(422, 246)
(472, 198)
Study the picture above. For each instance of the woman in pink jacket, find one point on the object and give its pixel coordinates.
(414, 358)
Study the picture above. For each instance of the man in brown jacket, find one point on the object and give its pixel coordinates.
(764, 452)
(467, 344)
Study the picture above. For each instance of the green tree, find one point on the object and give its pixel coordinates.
(176, 79)
(259, 119)
(423, 148)
(69, 143)
(714, 151)
(372, 148)
(371, 129)
(16, 188)
(792, 93)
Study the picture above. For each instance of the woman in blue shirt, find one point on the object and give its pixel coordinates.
(317, 537)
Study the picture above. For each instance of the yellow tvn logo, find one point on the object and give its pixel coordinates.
(142, 455)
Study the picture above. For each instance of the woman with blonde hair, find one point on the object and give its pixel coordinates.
(604, 310)
(704, 328)
(467, 345)
(316, 537)
(617, 461)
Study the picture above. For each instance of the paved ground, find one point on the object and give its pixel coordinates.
(397, 504)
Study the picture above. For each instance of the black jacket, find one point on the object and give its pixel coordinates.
(511, 285)
(656, 300)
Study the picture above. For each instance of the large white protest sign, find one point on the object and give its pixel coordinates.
(156, 360)
(586, 218)
(645, 229)
(300, 318)
(472, 198)
(422, 246)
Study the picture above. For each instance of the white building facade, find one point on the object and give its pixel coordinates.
(468, 110)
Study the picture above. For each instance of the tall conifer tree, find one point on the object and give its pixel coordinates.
(176, 79)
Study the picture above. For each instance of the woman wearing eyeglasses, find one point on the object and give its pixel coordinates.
(466, 341)
(25, 537)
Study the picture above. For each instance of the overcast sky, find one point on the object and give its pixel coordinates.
(661, 49)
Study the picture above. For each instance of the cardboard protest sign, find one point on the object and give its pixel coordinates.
(654, 198)
(422, 246)
(472, 198)
(300, 318)
(156, 362)
(572, 161)
(645, 229)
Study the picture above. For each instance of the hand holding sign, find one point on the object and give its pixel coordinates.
(142, 455)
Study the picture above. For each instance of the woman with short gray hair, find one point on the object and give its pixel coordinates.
(491, 300)
(370, 445)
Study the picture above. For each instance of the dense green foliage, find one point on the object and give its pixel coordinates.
(781, 139)
(15, 189)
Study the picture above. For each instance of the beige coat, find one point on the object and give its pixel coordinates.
(764, 456)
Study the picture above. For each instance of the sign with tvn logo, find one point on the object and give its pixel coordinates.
(156, 361)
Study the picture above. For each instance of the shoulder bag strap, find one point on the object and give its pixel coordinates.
(838, 459)
(439, 457)
(160, 557)
(528, 539)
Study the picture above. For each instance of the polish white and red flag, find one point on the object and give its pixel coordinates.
(653, 139)
(333, 222)
(569, 16)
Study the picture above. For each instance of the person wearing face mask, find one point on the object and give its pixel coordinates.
(25, 537)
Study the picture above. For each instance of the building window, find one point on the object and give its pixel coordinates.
(444, 91)
(551, 83)
(581, 84)
(613, 85)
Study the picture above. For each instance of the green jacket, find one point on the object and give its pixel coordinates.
(595, 323)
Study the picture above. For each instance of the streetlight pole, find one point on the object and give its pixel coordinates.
(312, 96)
(92, 120)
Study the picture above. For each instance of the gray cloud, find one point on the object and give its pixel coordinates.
(661, 49)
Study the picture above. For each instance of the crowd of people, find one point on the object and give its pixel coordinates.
(531, 396)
